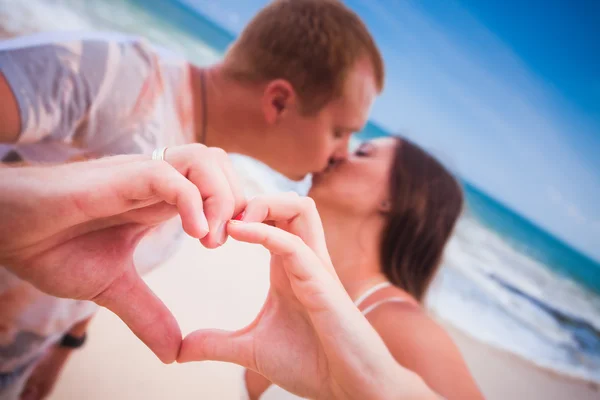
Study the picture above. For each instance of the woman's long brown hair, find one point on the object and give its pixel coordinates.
(426, 201)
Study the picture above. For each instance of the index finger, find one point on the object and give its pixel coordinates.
(295, 214)
(203, 167)
(105, 193)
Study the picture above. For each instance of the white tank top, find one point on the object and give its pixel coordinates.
(274, 392)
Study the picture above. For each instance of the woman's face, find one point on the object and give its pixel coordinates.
(360, 184)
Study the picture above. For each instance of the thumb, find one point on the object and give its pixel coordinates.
(144, 313)
(218, 345)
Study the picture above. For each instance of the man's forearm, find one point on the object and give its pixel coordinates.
(80, 328)
(9, 113)
(27, 203)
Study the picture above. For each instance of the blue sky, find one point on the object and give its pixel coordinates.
(507, 93)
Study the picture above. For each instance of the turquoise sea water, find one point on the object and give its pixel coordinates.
(536, 243)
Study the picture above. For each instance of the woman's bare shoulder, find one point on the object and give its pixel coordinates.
(421, 344)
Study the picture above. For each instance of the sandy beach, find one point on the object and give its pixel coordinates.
(225, 289)
(502, 375)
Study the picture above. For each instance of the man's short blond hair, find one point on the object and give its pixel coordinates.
(312, 44)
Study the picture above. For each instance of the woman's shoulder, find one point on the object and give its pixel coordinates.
(386, 295)
(404, 325)
(403, 319)
(421, 344)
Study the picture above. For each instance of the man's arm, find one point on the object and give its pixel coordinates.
(45, 375)
(9, 113)
(52, 86)
(46, 88)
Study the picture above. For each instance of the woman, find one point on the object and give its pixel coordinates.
(388, 212)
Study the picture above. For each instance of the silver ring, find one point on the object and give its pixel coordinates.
(159, 154)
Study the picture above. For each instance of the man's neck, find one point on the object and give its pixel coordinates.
(232, 112)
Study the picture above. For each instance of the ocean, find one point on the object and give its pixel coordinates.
(504, 280)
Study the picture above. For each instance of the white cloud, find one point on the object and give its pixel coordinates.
(569, 208)
(554, 194)
(234, 19)
(576, 214)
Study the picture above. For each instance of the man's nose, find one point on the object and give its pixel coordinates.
(342, 152)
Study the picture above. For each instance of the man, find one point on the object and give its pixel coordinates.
(291, 90)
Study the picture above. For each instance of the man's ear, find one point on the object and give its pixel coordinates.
(279, 96)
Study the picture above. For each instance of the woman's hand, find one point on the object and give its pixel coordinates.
(309, 337)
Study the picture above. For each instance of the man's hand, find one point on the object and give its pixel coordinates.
(71, 230)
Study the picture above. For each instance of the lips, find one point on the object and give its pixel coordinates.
(319, 176)
(316, 178)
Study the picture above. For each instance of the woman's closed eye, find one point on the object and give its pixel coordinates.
(364, 150)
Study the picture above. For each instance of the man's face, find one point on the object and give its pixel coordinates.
(308, 143)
